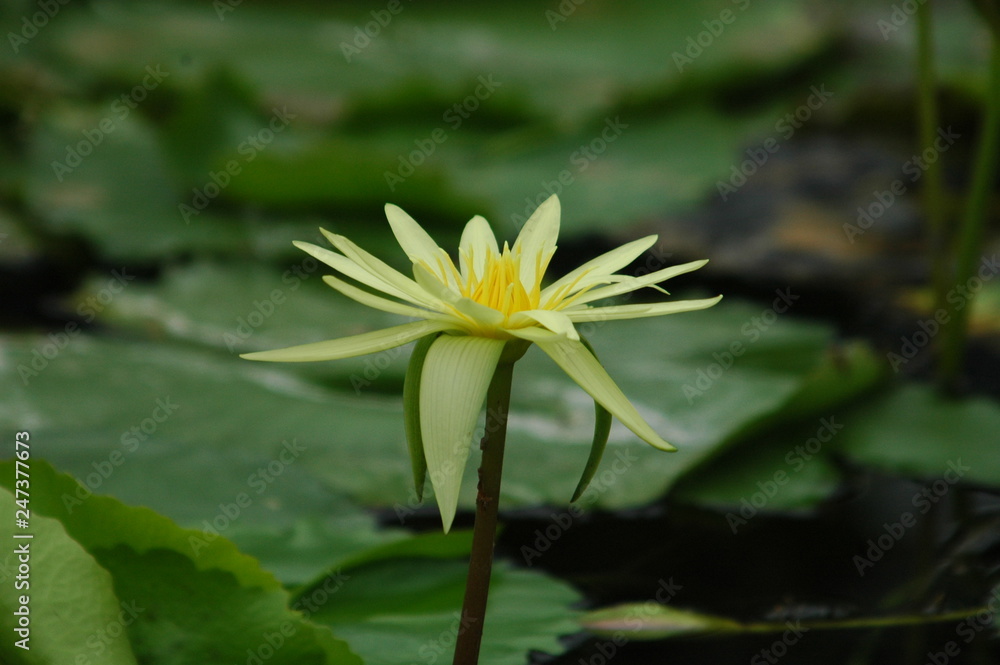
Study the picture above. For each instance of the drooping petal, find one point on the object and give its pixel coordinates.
(384, 304)
(636, 283)
(602, 429)
(476, 244)
(581, 365)
(605, 264)
(456, 374)
(411, 413)
(557, 322)
(616, 312)
(412, 237)
(356, 345)
(345, 266)
(382, 270)
(537, 240)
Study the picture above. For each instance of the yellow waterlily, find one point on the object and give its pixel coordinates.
(468, 314)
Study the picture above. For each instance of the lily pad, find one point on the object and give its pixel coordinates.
(71, 607)
(396, 612)
(191, 595)
(788, 466)
(916, 432)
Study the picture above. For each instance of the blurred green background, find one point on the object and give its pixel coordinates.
(157, 160)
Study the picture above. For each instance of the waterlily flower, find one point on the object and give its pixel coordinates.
(468, 313)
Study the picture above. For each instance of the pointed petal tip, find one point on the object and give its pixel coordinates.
(663, 445)
(303, 245)
(446, 521)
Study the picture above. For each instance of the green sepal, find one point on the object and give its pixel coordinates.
(602, 429)
(411, 412)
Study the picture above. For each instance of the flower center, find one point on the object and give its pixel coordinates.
(499, 286)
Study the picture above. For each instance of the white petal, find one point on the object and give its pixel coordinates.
(477, 242)
(456, 373)
(416, 242)
(413, 292)
(537, 239)
(616, 312)
(557, 322)
(384, 304)
(583, 367)
(636, 283)
(605, 264)
(349, 268)
(356, 345)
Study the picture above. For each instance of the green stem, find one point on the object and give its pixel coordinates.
(477, 586)
(974, 219)
(937, 242)
(864, 622)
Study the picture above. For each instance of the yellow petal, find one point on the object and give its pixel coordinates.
(476, 312)
(634, 283)
(617, 312)
(456, 374)
(356, 345)
(412, 237)
(476, 244)
(345, 266)
(557, 322)
(382, 270)
(537, 240)
(384, 304)
(605, 264)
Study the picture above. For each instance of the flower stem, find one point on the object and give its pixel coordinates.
(974, 219)
(477, 585)
(937, 241)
